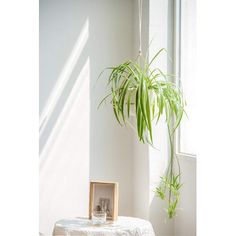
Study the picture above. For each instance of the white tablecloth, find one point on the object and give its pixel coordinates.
(124, 226)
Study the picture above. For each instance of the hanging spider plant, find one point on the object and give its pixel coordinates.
(150, 94)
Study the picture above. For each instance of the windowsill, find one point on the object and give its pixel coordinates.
(185, 156)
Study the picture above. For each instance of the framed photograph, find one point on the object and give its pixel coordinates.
(104, 197)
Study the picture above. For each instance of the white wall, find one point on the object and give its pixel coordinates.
(111, 147)
(185, 221)
(79, 38)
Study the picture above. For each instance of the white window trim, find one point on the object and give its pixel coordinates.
(177, 70)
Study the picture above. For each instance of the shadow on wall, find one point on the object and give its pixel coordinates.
(78, 142)
(65, 69)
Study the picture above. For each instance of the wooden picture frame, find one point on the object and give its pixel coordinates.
(106, 194)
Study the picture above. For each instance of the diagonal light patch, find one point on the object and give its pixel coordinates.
(70, 119)
(66, 156)
(64, 77)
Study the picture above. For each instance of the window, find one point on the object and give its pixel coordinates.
(185, 69)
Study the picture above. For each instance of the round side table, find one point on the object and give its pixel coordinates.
(124, 226)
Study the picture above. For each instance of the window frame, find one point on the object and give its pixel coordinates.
(177, 71)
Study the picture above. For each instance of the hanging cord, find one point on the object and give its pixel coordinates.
(140, 3)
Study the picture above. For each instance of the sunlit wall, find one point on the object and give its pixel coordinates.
(78, 142)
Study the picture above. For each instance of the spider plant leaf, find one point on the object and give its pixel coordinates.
(156, 55)
(128, 103)
(112, 75)
(167, 112)
(142, 99)
(162, 74)
(135, 75)
(160, 193)
(153, 108)
(139, 123)
(151, 72)
(142, 129)
(170, 101)
(103, 100)
(154, 77)
(175, 204)
(178, 120)
(137, 68)
(160, 101)
(116, 114)
(122, 100)
(179, 186)
(137, 101)
(148, 114)
(175, 179)
(121, 71)
(100, 75)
